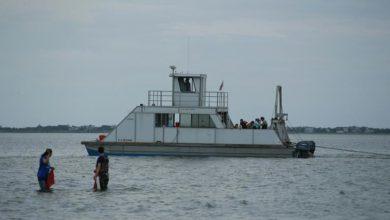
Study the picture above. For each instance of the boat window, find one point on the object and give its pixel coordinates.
(224, 117)
(194, 121)
(162, 119)
(171, 120)
(201, 121)
(185, 120)
(186, 84)
(176, 120)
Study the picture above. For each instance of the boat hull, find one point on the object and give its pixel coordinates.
(184, 149)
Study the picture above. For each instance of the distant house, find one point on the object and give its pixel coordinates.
(309, 130)
(355, 130)
(369, 131)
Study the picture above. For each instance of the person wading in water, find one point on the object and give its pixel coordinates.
(101, 170)
(44, 170)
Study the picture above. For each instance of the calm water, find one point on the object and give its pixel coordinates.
(334, 185)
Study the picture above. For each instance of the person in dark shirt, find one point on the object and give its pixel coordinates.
(101, 170)
(243, 124)
(44, 170)
(188, 85)
(263, 123)
(250, 125)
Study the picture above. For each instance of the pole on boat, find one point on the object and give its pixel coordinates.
(278, 122)
(278, 102)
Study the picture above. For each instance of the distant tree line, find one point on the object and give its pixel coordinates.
(108, 128)
(60, 129)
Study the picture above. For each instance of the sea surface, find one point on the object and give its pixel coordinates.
(333, 185)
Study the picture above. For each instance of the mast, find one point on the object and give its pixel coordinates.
(279, 114)
(280, 117)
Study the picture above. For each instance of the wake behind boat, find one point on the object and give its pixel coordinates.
(191, 121)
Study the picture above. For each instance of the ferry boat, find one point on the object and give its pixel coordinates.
(191, 121)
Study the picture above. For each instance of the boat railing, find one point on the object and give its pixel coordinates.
(165, 98)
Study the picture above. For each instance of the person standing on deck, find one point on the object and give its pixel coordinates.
(263, 123)
(101, 170)
(243, 124)
(188, 85)
(44, 170)
(257, 124)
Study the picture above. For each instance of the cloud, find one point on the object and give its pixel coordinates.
(252, 27)
(239, 27)
(84, 12)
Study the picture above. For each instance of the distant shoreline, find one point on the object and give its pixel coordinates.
(59, 129)
(338, 130)
(108, 128)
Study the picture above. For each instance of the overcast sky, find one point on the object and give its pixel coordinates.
(91, 62)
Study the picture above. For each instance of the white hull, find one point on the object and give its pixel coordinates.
(161, 149)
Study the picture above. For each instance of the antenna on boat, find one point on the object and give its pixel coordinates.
(188, 54)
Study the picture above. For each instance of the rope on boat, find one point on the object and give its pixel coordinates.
(354, 151)
(341, 149)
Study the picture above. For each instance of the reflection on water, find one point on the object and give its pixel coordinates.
(335, 184)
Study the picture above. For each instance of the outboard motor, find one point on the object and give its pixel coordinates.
(304, 149)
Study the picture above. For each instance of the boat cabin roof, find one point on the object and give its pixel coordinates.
(188, 75)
